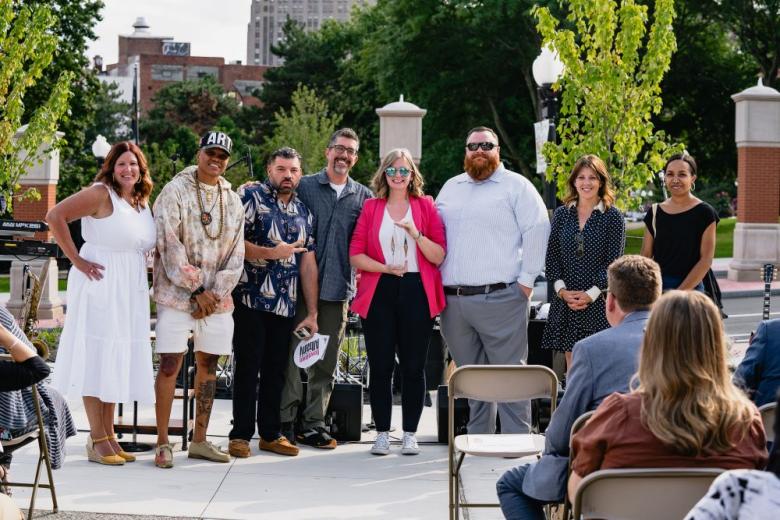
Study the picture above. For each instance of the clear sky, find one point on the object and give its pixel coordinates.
(213, 27)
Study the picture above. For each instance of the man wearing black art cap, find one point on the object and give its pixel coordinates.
(199, 259)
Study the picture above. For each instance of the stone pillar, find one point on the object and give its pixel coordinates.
(43, 177)
(400, 126)
(757, 233)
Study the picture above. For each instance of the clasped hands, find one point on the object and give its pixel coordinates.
(576, 300)
(205, 305)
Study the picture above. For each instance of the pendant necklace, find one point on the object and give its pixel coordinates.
(205, 216)
(392, 246)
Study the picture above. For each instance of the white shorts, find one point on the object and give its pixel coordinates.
(212, 334)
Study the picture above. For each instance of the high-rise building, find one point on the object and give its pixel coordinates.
(269, 16)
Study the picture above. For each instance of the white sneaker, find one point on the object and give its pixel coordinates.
(381, 444)
(409, 445)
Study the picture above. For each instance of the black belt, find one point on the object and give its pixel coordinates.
(471, 290)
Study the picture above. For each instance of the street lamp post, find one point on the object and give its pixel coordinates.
(547, 69)
(100, 149)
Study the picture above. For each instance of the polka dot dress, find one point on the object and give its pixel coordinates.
(580, 259)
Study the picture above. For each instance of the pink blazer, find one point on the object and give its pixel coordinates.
(365, 239)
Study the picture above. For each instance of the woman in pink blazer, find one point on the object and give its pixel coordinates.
(397, 246)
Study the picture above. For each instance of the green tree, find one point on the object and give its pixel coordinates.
(307, 127)
(28, 47)
(615, 61)
(756, 25)
(196, 104)
(698, 110)
(73, 28)
(326, 62)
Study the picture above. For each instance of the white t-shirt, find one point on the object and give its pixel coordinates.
(397, 246)
(338, 188)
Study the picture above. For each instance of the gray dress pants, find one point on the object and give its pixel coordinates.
(490, 329)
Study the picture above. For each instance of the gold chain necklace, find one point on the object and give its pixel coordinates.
(205, 216)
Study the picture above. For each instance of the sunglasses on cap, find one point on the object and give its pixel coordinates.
(392, 171)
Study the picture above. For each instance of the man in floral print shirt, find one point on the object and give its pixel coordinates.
(279, 250)
(200, 257)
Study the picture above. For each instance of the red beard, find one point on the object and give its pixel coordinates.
(480, 167)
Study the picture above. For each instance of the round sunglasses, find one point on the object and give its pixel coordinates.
(392, 171)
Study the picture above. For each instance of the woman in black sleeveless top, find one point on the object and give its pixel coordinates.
(680, 233)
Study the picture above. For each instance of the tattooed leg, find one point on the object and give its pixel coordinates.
(205, 387)
(164, 388)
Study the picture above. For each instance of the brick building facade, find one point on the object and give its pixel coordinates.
(161, 61)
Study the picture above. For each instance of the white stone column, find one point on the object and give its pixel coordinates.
(400, 126)
(757, 134)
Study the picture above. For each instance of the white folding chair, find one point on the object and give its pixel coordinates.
(494, 383)
(642, 494)
(768, 411)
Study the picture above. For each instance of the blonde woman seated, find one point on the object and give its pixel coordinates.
(684, 411)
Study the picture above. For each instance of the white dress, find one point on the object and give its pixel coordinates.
(104, 350)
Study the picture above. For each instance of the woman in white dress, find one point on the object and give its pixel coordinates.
(105, 354)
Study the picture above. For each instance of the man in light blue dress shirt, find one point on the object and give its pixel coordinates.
(497, 229)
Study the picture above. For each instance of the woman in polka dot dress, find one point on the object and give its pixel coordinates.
(588, 233)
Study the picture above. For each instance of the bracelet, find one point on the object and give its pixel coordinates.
(419, 236)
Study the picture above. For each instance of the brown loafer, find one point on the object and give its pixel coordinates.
(280, 446)
(239, 448)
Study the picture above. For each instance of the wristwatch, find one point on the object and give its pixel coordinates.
(199, 290)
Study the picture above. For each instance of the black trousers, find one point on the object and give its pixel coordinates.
(399, 318)
(261, 345)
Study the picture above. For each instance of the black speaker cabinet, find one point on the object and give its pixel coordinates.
(346, 411)
(536, 354)
(461, 414)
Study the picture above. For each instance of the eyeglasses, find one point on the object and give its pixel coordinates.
(473, 147)
(579, 238)
(351, 152)
(222, 156)
(392, 171)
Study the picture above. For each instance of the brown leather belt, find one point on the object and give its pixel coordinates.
(471, 290)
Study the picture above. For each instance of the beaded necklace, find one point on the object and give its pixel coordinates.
(205, 216)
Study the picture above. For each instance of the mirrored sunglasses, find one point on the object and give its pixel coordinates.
(393, 171)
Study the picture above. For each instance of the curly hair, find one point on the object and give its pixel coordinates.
(142, 188)
(379, 180)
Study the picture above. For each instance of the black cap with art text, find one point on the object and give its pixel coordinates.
(214, 139)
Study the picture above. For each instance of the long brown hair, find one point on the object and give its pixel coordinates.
(606, 194)
(142, 188)
(379, 181)
(688, 400)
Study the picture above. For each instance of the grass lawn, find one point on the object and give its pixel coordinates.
(724, 239)
(5, 284)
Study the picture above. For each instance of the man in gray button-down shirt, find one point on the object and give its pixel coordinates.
(335, 200)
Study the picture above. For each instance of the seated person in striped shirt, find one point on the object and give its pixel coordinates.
(17, 408)
(497, 229)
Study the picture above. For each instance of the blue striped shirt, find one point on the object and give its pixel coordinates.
(497, 229)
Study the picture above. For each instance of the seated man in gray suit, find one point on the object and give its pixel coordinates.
(602, 364)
